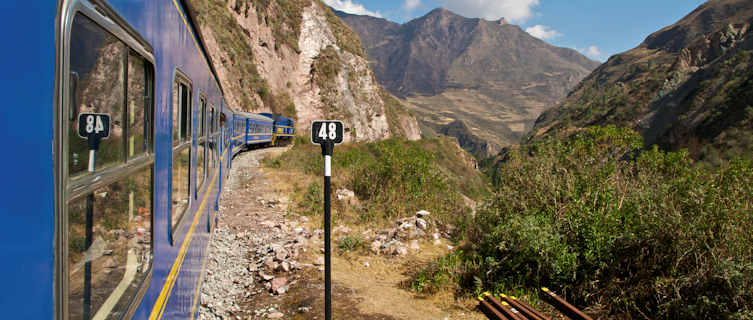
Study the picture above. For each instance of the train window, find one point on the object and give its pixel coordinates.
(138, 99)
(201, 141)
(181, 162)
(224, 128)
(106, 220)
(181, 172)
(114, 223)
(211, 119)
(98, 60)
(212, 142)
(181, 112)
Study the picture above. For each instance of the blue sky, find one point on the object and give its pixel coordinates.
(598, 29)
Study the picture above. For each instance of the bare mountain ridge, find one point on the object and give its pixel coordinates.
(687, 86)
(490, 74)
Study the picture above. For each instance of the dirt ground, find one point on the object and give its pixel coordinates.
(256, 210)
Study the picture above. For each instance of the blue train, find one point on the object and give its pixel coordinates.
(118, 230)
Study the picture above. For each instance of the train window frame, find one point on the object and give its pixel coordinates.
(213, 138)
(68, 189)
(200, 138)
(181, 143)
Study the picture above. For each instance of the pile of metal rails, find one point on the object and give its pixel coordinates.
(510, 308)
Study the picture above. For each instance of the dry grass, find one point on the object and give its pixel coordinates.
(382, 286)
(377, 292)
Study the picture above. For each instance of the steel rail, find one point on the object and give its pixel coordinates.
(524, 308)
(504, 307)
(563, 306)
(490, 312)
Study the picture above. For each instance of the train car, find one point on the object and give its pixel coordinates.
(284, 128)
(258, 129)
(124, 140)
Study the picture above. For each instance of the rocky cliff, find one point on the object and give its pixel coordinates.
(490, 74)
(688, 85)
(296, 58)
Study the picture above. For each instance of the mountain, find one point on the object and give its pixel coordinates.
(492, 75)
(687, 86)
(297, 58)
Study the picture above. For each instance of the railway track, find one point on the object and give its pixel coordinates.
(510, 308)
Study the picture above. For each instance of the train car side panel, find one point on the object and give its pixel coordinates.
(26, 243)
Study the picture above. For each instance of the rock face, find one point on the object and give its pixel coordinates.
(491, 74)
(296, 58)
(350, 91)
(686, 86)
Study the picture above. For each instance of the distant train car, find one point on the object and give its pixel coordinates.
(284, 128)
(258, 129)
(124, 140)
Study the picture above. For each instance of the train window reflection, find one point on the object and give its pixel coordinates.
(180, 196)
(201, 146)
(138, 108)
(109, 247)
(212, 140)
(98, 59)
(181, 113)
(181, 168)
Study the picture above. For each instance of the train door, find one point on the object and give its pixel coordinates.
(104, 248)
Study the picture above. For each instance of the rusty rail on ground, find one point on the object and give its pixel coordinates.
(510, 308)
(488, 310)
(563, 306)
(524, 308)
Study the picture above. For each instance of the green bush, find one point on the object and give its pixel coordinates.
(350, 243)
(609, 223)
(396, 177)
(391, 179)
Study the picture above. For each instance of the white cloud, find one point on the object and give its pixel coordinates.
(411, 5)
(543, 32)
(351, 7)
(592, 52)
(516, 11)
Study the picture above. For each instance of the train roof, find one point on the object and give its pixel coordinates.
(253, 116)
(277, 117)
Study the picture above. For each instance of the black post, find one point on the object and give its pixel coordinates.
(88, 263)
(327, 150)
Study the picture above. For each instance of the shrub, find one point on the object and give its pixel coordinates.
(350, 243)
(391, 179)
(607, 222)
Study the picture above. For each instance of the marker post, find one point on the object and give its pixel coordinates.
(327, 134)
(92, 127)
(327, 151)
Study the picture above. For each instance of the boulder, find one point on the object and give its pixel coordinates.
(278, 285)
(422, 224)
(345, 194)
(270, 263)
(375, 246)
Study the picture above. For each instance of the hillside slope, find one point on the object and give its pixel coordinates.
(688, 85)
(493, 75)
(297, 58)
